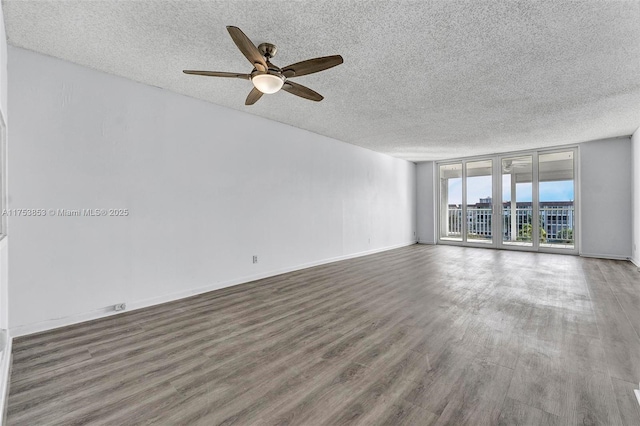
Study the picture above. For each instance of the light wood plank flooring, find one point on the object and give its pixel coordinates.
(420, 335)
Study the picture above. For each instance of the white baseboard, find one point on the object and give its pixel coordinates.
(637, 392)
(635, 262)
(605, 256)
(5, 376)
(23, 330)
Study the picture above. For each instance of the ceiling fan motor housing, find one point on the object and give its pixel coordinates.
(268, 50)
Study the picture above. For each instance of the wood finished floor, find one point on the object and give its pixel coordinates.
(420, 335)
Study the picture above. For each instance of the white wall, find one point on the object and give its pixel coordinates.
(426, 202)
(605, 198)
(5, 338)
(3, 111)
(207, 188)
(635, 165)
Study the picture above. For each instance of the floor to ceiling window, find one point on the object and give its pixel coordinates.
(522, 201)
(517, 197)
(479, 212)
(557, 194)
(451, 206)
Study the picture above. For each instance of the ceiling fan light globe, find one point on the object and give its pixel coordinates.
(267, 83)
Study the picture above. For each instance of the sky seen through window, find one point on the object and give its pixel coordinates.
(480, 187)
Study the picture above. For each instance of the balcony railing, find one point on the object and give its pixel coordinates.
(556, 223)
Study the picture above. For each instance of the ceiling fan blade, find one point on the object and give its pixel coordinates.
(248, 49)
(253, 97)
(302, 91)
(218, 74)
(311, 65)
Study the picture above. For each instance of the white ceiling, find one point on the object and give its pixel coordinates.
(421, 80)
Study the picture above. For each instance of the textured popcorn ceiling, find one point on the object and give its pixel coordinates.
(422, 80)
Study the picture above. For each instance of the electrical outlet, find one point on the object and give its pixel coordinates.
(120, 307)
(255, 259)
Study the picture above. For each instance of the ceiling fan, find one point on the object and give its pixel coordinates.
(510, 165)
(268, 78)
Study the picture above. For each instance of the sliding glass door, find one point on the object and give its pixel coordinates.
(523, 201)
(466, 202)
(517, 224)
(557, 188)
(479, 201)
(451, 202)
